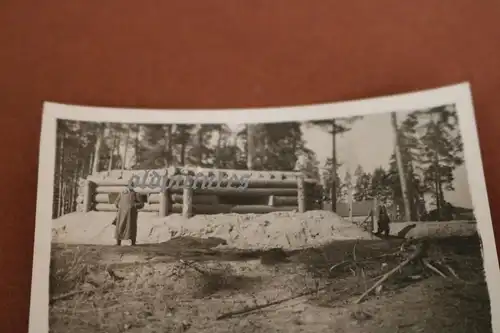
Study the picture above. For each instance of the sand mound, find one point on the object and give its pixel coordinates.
(288, 230)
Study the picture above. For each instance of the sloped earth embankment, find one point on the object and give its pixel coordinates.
(287, 230)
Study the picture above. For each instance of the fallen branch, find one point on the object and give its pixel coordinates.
(113, 275)
(193, 266)
(262, 306)
(452, 271)
(416, 254)
(77, 292)
(364, 260)
(433, 268)
(70, 294)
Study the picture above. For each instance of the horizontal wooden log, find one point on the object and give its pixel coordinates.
(177, 181)
(260, 209)
(195, 170)
(285, 201)
(218, 191)
(177, 198)
(197, 199)
(213, 200)
(102, 207)
(249, 192)
(176, 208)
(105, 197)
(206, 209)
(102, 198)
(119, 189)
(254, 173)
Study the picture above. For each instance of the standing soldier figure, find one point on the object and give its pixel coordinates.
(383, 221)
(128, 203)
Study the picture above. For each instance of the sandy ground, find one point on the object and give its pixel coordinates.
(186, 273)
(183, 285)
(288, 230)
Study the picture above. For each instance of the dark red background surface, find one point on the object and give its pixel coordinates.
(221, 54)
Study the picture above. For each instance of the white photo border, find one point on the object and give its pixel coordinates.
(459, 95)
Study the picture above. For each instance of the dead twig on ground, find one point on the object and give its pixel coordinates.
(419, 252)
(433, 268)
(193, 266)
(364, 260)
(452, 271)
(354, 251)
(77, 292)
(71, 294)
(248, 310)
(263, 306)
(113, 275)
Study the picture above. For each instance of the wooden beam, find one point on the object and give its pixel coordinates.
(261, 209)
(179, 181)
(102, 207)
(177, 198)
(187, 202)
(301, 195)
(88, 196)
(214, 191)
(164, 203)
(206, 209)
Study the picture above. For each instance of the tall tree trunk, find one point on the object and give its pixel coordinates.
(412, 193)
(250, 146)
(91, 162)
(125, 148)
(333, 190)
(82, 173)
(218, 149)
(74, 180)
(183, 154)
(136, 146)
(437, 175)
(111, 153)
(119, 162)
(169, 146)
(63, 201)
(350, 200)
(97, 149)
(401, 171)
(437, 183)
(74, 184)
(200, 145)
(61, 176)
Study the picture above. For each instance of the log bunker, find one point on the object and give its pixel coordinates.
(263, 191)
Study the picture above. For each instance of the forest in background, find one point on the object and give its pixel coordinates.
(427, 149)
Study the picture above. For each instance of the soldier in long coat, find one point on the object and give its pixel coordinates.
(383, 221)
(128, 202)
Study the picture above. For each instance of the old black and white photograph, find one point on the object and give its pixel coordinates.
(365, 217)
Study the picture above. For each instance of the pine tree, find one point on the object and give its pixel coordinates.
(335, 127)
(381, 186)
(182, 141)
(362, 185)
(442, 151)
(277, 145)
